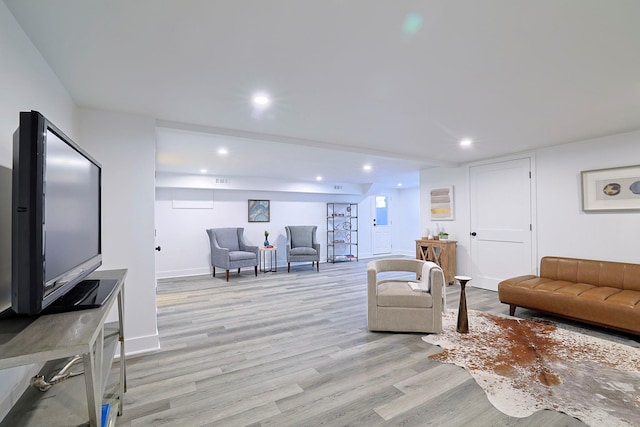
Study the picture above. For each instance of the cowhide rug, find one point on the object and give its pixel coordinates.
(528, 365)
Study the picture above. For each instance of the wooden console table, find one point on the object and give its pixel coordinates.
(442, 252)
(30, 340)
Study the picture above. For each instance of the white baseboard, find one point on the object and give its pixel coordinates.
(141, 345)
(182, 273)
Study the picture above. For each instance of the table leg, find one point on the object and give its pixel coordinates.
(94, 398)
(463, 320)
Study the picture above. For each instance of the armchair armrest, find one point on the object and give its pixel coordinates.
(372, 280)
(220, 256)
(433, 273)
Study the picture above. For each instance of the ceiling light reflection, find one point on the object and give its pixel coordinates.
(261, 100)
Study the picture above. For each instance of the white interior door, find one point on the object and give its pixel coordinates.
(381, 228)
(501, 225)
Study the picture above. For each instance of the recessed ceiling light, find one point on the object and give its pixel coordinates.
(367, 167)
(203, 171)
(261, 100)
(223, 151)
(318, 178)
(399, 184)
(466, 142)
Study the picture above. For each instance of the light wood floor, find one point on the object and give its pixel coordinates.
(293, 350)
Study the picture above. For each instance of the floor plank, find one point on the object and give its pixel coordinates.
(293, 350)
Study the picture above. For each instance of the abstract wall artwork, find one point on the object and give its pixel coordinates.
(259, 211)
(611, 189)
(441, 203)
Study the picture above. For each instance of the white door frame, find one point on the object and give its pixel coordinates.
(534, 219)
(375, 228)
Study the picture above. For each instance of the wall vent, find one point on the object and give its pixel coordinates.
(337, 187)
(222, 180)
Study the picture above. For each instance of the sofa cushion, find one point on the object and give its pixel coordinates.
(629, 299)
(240, 255)
(303, 251)
(598, 273)
(301, 236)
(228, 238)
(399, 294)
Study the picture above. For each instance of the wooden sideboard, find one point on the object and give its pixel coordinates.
(442, 252)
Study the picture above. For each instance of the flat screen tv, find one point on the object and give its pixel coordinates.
(56, 224)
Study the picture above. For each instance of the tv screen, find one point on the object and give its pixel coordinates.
(56, 226)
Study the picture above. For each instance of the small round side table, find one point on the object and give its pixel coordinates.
(463, 320)
(273, 250)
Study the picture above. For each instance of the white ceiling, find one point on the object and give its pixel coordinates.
(396, 84)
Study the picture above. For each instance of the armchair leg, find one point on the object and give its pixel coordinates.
(238, 271)
(227, 275)
(214, 272)
(318, 266)
(512, 309)
(288, 267)
(256, 270)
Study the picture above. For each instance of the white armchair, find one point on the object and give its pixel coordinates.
(393, 305)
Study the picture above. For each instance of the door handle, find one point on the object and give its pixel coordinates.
(473, 233)
(158, 248)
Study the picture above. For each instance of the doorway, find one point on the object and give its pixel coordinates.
(501, 221)
(381, 232)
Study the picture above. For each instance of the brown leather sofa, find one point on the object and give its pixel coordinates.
(598, 292)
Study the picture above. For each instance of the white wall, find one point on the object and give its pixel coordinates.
(125, 146)
(561, 227)
(185, 245)
(406, 221)
(26, 83)
(184, 242)
(458, 229)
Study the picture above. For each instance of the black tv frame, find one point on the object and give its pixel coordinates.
(30, 292)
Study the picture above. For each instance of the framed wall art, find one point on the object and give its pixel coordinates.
(259, 211)
(441, 203)
(614, 189)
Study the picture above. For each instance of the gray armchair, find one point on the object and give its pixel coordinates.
(302, 245)
(229, 250)
(394, 305)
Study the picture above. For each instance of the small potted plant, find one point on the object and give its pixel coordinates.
(266, 238)
(444, 235)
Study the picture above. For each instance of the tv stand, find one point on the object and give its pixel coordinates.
(53, 337)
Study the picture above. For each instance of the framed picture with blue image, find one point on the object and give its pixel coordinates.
(613, 189)
(259, 211)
